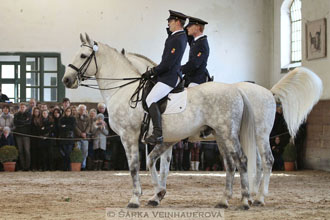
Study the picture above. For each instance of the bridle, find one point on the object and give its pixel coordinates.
(83, 68)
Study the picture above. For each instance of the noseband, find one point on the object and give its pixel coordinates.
(82, 70)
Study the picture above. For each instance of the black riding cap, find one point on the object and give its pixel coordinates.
(176, 16)
(193, 20)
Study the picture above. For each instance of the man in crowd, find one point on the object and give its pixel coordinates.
(82, 131)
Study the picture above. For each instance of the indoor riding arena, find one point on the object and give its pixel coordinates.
(213, 109)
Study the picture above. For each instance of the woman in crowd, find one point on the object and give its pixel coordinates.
(90, 157)
(6, 119)
(6, 138)
(57, 163)
(36, 155)
(67, 126)
(100, 132)
(46, 129)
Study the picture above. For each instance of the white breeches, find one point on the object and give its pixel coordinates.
(159, 91)
(192, 85)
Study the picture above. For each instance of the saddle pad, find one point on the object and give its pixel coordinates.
(176, 103)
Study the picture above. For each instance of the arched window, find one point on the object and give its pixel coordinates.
(295, 15)
(291, 33)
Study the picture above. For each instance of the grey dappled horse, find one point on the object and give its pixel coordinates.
(298, 91)
(223, 107)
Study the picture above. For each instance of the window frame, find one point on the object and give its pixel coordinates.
(22, 80)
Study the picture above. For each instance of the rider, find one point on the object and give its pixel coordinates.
(194, 70)
(167, 73)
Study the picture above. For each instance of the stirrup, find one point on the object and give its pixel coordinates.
(153, 140)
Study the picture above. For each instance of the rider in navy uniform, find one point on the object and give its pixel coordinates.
(168, 72)
(194, 70)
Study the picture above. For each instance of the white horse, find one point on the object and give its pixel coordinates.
(223, 107)
(298, 92)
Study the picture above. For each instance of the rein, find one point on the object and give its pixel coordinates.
(135, 98)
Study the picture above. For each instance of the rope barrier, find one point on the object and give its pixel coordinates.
(63, 139)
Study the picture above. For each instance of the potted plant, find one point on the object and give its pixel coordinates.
(7, 156)
(76, 158)
(289, 156)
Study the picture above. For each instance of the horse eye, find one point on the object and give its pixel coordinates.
(83, 56)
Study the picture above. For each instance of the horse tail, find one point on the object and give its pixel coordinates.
(298, 92)
(248, 138)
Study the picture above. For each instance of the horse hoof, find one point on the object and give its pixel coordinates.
(161, 194)
(221, 206)
(245, 207)
(133, 206)
(258, 203)
(152, 203)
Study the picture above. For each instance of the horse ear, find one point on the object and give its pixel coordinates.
(82, 39)
(89, 40)
(123, 51)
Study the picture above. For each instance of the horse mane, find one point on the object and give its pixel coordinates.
(144, 57)
(124, 58)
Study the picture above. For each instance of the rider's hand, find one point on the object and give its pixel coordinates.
(148, 74)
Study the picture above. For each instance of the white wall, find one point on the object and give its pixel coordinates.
(311, 10)
(239, 31)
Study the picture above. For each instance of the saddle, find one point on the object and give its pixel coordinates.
(161, 103)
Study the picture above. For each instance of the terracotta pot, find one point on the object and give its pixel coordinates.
(9, 166)
(289, 166)
(75, 166)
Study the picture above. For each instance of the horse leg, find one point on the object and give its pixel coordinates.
(267, 164)
(256, 184)
(160, 190)
(165, 161)
(132, 154)
(230, 174)
(234, 157)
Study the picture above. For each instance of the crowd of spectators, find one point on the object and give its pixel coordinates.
(46, 135)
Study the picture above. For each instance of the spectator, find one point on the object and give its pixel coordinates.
(65, 104)
(280, 127)
(3, 97)
(178, 155)
(277, 150)
(74, 111)
(57, 163)
(46, 130)
(90, 157)
(194, 158)
(6, 119)
(36, 155)
(211, 154)
(67, 126)
(32, 104)
(100, 132)
(6, 138)
(82, 131)
(22, 121)
(186, 155)
(43, 107)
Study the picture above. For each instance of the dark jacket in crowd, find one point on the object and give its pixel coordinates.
(3, 98)
(22, 122)
(47, 128)
(9, 140)
(67, 126)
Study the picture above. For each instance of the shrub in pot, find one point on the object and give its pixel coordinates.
(289, 156)
(76, 159)
(8, 155)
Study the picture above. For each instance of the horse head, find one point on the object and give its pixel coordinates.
(83, 65)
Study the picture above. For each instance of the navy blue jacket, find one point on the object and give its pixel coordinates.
(7, 141)
(195, 69)
(169, 68)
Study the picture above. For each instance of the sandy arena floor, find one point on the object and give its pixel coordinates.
(85, 195)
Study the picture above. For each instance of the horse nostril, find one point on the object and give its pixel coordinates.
(66, 80)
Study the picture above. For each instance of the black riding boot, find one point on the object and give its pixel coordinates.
(156, 117)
